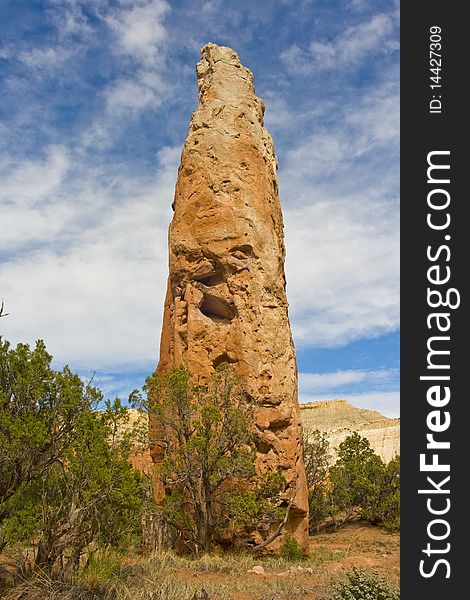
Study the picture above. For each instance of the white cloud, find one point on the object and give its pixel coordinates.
(73, 34)
(349, 48)
(340, 196)
(44, 58)
(342, 270)
(321, 382)
(139, 29)
(358, 4)
(387, 403)
(131, 95)
(70, 18)
(342, 147)
(96, 296)
(26, 183)
(140, 33)
(378, 117)
(211, 6)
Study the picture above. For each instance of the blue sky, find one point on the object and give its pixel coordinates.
(96, 101)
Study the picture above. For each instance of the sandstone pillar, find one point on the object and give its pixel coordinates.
(226, 298)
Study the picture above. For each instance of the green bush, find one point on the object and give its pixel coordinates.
(318, 507)
(290, 549)
(101, 567)
(362, 485)
(65, 479)
(208, 469)
(364, 586)
(316, 459)
(358, 485)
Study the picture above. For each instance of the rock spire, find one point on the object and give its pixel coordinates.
(226, 298)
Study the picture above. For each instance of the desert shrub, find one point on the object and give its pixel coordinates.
(290, 549)
(362, 485)
(389, 505)
(358, 485)
(65, 478)
(316, 458)
(92, 495)
(318, 507)
(364, 586)
(101, 567)
(39, 411)
(355, 477)
(208, 466)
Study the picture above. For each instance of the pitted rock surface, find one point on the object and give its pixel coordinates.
(226, 298)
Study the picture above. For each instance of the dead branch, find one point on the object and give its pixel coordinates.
(2, 306)
(276, 533)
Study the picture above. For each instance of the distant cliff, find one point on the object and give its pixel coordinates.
(339, 419)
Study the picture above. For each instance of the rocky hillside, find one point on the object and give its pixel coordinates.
(339, 419)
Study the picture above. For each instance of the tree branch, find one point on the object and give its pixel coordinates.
(276, 533)
(2, 306)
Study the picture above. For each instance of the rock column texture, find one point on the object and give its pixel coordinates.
(226, 298)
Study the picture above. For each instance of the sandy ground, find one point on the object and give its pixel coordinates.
(234, 577)
(331, 556)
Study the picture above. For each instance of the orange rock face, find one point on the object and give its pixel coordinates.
(226, 298)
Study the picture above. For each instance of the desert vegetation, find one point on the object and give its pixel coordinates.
(75, 514)
(66, 485)
(358, 485)
(208, 471)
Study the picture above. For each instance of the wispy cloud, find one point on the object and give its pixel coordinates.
(324, 382)
(349, 48)
(135, 95)
(32, 180)
(96, 101)
(341, 179)
(44, 58)
(211, 6)
(139, 29)
(139, 34)
(70, 17)
(343, 281)
(97, 282)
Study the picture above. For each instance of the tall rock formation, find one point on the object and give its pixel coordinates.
(226, 298)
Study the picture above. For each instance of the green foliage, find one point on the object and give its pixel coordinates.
(290, 549)
(359, 484)
(91, 495)
(39, 408)
(387, 506)
(318, 507)
(208, 456)
(259, 505)
(72, 482)
(364, 586)
(316, 458)
(356, 476)
(101, 567)
(362, 485)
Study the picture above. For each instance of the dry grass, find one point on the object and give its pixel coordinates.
(167, 576)
(170, 587)
(170, 577)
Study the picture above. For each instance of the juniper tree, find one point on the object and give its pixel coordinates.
(208, 468)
